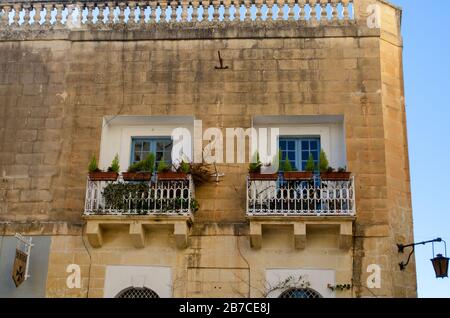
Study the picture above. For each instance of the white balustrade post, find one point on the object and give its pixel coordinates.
(37, 15)
(111, 9)
(226, 8)
(4, 21)
(26, 17)
(334, 10)
(48, 15)
(248, 13)
(269, 4)
(153, 6)
(258, 5)
(195, 6)
(184, 10)
(16, 16)
(345, 9)
(163, 16)
(237, 9)
(101, 13)
(205, 5)
(216, 5)
(323, 10)
(302, 6)
(132, 16)
(280, 5)
(173, 14)
(313, 4)
(58, 18)
(142, 7)
(122, 7)
(291, 4)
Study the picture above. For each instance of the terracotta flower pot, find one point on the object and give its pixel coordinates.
(137, 176)
(263, 176)
(172, 175)
(103, 176)
(297, 175)
(335, 176)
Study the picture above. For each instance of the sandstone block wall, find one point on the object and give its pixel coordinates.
(56, 88)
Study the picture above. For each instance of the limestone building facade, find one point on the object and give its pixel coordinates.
(106, 78)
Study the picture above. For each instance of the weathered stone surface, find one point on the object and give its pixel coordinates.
(54, 94)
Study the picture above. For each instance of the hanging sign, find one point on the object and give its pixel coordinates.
(19, 268)
(21, 260)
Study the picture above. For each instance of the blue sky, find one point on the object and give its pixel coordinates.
(427, 88)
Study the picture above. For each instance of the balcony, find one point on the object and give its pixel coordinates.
(139, 205)
(300, 205)
(300, 198)
(169, 197)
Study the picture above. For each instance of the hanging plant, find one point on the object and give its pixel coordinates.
(340, 287)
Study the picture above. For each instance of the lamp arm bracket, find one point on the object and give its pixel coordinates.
(401, 248)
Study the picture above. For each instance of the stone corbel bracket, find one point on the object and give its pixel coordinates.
(299, 226)
(138, 225)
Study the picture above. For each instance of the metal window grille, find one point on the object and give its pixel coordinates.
(300, 293)
(137, 292)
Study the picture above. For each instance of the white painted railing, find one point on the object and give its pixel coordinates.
(301, 198)
(136, 14)
(142, 198)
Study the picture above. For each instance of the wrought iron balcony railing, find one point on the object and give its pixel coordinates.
(174, 197)
(301, 198)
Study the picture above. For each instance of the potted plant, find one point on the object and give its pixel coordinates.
(291, 174)
(165, 172)
(327, 173)
(254, 171)
(140, 171)
(95, 174)
(331, 175)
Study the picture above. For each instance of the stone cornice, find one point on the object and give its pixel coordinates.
(191, 31)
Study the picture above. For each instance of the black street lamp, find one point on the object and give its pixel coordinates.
(440, 263)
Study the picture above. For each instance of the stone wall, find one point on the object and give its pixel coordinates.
(56, 86)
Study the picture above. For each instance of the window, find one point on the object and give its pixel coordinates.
(137, 292)
(300, 293)
(160, 146)
(297, 150)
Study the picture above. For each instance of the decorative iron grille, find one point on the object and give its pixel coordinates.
(134, 198)
(300, 293)
(301, 198)
(137, 292)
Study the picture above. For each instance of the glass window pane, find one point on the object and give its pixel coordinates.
(159, 156)
(291, 145)
(282, 144)
(305, 145)
(146, 146)
(313, 144)
(168, 157)
(291, 156)
(159, 146)
(168, 145)
(315, 155)
(305, 155)
(137, 146)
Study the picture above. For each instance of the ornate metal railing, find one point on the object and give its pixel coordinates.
(301, 198)
(175, 197)
(136, 14)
